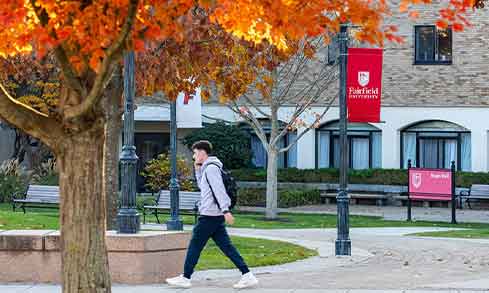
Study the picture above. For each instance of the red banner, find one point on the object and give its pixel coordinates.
(434, 184)
(364, 84)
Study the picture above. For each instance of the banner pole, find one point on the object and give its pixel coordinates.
(454, 219)
(409, 193)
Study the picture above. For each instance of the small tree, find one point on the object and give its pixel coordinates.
(158, 174)
(230, 144)
(295, 85)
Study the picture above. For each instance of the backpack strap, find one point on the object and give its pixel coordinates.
(210, 186)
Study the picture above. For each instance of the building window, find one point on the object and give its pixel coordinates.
(148, 147)
(432, 45)
(435, 144)
(259, 159)
(285, 160)
(364, 146)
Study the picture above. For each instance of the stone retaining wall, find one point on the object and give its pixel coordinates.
(147, 257)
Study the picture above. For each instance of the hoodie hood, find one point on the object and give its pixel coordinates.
(212, 160)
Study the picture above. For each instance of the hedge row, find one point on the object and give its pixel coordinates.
(368, 176)
(286, 198)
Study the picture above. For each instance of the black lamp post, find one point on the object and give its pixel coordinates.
(175, 223)
(343, 242)
(128, 216)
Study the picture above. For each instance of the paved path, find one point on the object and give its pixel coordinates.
(383, 260)
(393, 213)
(165, 289)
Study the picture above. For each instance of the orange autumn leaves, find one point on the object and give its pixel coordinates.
(453, 14)
(84, 28)
(278, 20)
(178, 50)
(207, 57)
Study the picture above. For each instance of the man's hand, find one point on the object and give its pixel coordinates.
(197, 166)
(229, 218)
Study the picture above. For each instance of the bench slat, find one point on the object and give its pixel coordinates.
(187, 200)
(40, 194)
(479, 191)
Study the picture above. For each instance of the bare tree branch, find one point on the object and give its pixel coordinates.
(217, 119)
(251, 120)
(317, 120)
(247, 98)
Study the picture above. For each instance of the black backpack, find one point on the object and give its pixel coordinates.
(229, 184)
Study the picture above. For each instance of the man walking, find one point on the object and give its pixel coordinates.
(214, 212)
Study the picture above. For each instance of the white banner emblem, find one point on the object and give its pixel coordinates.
(416, 177)
(363, 77)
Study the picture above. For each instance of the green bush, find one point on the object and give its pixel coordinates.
(369, 176)
(294, 198)
(251, 197)
(231, 144)
(12, 180)
(46, 174)
(141, 201)
(158, 174)
(286, 198)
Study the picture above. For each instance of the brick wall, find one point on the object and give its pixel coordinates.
(464, 83)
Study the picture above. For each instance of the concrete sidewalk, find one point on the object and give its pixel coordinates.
(383, 260)
(165, 289)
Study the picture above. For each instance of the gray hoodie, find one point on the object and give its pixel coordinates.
(208, 206)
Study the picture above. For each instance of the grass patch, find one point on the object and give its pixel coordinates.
(48, 219)
(34, 219)
(469, 234)
(256, 252)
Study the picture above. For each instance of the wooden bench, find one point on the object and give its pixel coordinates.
(380, 199)
(188, 204)
(37, 196)
(476, 192)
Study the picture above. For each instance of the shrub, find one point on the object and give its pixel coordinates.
(46, 173)
(12, 180)
(158, 174)
(231, 145)
(368, 176)
(286, 198)
(294, 198)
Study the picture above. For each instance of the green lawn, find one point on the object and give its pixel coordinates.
(471, 233)
(256, 252)
(48, 219)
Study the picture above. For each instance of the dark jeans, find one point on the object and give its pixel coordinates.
(211, 227)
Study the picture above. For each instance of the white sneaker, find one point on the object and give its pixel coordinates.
(179, 282)
(247, 280)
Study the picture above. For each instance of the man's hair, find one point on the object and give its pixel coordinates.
(202, 145)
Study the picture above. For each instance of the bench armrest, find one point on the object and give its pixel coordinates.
(21, 194)
(146, 202)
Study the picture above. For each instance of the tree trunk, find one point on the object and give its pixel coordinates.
(272, 152)
(272, 198)
(113, 126)
(111, 169)
(85, 267)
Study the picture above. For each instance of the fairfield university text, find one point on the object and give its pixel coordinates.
(363, 93)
